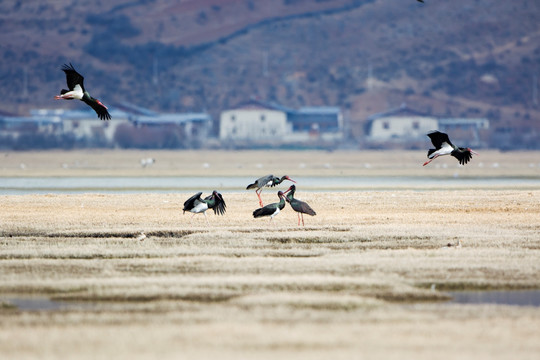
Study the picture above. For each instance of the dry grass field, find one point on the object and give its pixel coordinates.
(367, 277)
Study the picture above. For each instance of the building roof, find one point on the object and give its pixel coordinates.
(260, 104)
(82, 114)
(462, 121)
(402, 110)
(180, 118)
(134, 109)
(319, 110)
(41, 120)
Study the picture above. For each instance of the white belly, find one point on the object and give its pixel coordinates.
(200, 208)
(76, 93)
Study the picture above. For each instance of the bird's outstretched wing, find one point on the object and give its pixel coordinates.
(438, 138)
(463, 155)
(219, 206)
(100, 110)
(192, 201)
(73, 77)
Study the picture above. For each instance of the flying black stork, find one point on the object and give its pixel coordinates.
(75, 83)
(196, 204)
(271, 209)
(443, 146)
(266, 181)
(299, 206)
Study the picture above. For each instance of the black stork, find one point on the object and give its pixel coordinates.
(266, 181)
(422, 1)
(299, 206)
(75, 83)
(196, 204)
(443, 146)
(271, 209)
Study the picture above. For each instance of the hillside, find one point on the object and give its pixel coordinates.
(461, 58)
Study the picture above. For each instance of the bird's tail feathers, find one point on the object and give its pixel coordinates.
(430, 151)
(258, 213)
(252, 186)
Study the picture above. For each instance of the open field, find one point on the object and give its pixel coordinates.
(367, 277)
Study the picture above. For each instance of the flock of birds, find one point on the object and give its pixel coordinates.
(196, 204)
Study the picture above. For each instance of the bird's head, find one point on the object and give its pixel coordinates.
(292, 189)
(216, 194)
(285, 177)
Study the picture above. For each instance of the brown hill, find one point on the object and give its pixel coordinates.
(460, 58)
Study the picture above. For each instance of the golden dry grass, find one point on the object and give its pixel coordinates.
(355, 282)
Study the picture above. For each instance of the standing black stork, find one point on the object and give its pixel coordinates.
(299, 206)
(75, 83)
(271, 209)
(443, 146)
(266, 181)
(196, 204)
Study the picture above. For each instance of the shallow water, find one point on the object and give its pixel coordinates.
(119, 185)
(43, 304)
(514, 297)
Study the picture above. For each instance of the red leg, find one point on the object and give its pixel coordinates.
(430, 160)
(259, 196)
(303, 220)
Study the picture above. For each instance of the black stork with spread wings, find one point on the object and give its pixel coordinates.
(75, 83)
(443, 146)
(266, 181)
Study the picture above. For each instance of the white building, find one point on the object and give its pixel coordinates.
(85, 123)
(253, 121)
(261, 122)
(400, 124)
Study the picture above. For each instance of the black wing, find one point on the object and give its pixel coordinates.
(438, 138)
(303, 207)
(219, 204)
(192, 201)
(73, 77)
(100, 110)
(265, 211)
(463, 155)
